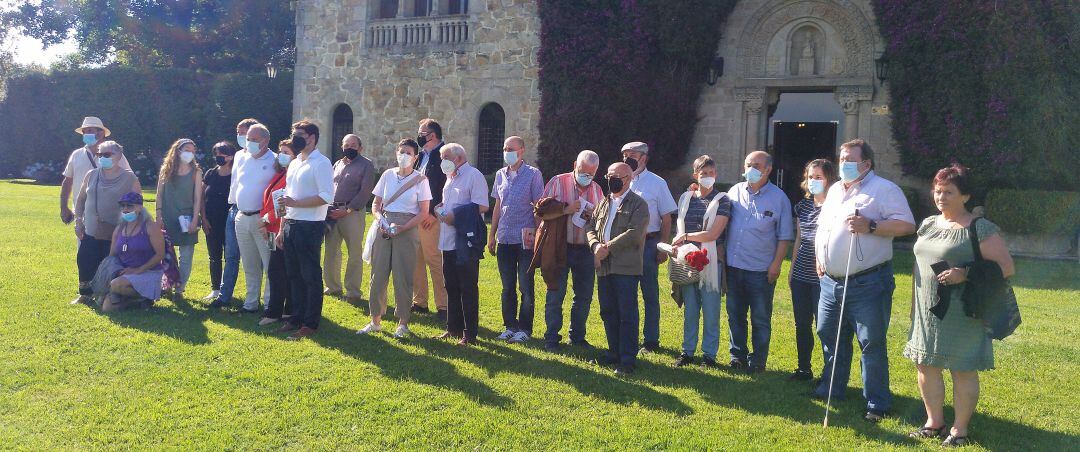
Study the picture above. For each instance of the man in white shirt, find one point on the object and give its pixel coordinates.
(875, 210)
(654, 190)
(252, 172)
(231, 270)
(464, 185)
(309, 189)
(80, 162)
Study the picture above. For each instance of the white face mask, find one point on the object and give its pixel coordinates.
(187, 157)
(241, 140)
(284, 159)
(447, 167)
(252, 147)
(707, 181)
(404, 160)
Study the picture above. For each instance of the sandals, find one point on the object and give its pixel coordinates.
(956, 441)
(928, 432)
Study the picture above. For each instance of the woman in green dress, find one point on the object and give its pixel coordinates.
(179, 203)
(944, 337)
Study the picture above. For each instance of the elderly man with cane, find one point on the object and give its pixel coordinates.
(858, 221)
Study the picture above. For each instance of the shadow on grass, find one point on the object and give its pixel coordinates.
(179, 321)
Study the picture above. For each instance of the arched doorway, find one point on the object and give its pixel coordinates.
(342, 125)
(803, 126)
(492, 131)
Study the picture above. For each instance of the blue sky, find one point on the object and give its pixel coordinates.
(30, 51)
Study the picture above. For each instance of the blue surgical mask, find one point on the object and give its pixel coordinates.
(815, 186)
(583, 179)
(752, 175)
(849, 171)
(511, 158)
(105, 162)
(89, 139)
(284, 159)
(241, 140)
(252, 147)
(129, 216)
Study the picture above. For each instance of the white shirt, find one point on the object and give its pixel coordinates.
(80, 162)
(654, 190)
(249, 179)
(409, 201)
(307, 177)
(876, 199)
(468, 186)
(613, 206)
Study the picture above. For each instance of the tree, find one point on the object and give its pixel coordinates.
(213, 35)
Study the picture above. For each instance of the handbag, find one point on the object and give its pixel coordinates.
(989, 297)
(680, 273)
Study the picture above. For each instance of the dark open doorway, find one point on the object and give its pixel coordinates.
(795, 144)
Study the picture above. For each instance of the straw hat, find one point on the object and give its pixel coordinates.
(93, 121)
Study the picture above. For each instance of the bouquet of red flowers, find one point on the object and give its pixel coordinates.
(698, 259)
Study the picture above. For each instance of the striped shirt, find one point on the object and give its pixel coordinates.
(564, 188)
(804, 267)
(517, 191)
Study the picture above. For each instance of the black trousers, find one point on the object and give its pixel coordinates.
(215, 247)
(462, 295)
(303, 266)
(281, 300)
(91, 252)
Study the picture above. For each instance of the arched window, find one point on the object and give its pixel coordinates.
(343, 125)
(490, 138)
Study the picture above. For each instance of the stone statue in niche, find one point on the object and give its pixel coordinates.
(805, 52)
(806, 62)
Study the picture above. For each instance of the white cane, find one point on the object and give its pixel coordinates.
(839, 326)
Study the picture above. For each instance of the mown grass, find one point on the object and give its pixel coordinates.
(181, 377)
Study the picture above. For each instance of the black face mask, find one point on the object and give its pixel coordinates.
(632, 162)
(421, 140)
(351, 153)
(615, 185)
(220, 160)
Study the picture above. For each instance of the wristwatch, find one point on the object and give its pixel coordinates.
(873, 226)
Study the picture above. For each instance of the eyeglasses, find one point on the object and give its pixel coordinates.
(105, 154)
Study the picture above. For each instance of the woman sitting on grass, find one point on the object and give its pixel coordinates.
(138, 245)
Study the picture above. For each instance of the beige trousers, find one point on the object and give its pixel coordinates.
(431, 258)
(349, 228)
(397, 256)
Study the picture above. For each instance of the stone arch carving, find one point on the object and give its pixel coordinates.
(854, 28)
(803, 38)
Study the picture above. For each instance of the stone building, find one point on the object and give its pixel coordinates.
(796, 77)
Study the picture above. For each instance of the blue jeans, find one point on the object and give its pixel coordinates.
(579, 260)
(619, 311)
(650, 293)
(867, 311)
(749, 291)
(232, 257)
(804, 302)
(513, 270)
(697, 302)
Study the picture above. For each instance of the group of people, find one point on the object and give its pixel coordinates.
(274, 210)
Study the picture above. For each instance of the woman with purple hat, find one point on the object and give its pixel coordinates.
(138, 246)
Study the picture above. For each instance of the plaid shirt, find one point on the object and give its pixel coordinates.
(565, 188)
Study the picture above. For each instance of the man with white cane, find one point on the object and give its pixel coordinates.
(858, 221)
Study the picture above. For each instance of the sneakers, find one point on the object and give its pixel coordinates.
(519, 337)
(83, 299)
(218, 304)
(402, 332)
(506, 335)
(267, 321)
(214, 295)
(709, 363)
(801, 375)
(369, 328)
(684, 360)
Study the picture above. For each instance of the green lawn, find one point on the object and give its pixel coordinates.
(181, 377)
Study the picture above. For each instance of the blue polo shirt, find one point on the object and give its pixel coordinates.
(759, 221)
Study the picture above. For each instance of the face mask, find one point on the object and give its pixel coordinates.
(511, 158)
(89, 139)
(632, 162)
(187, 157)
(220, 160)
(284, 159)
(447, 167)
(849, 171)
(815, 186)
(583, 179)
(252, 147)
(752, 175)
(404, 160)
(129, 216)
(707, 181)
(351, 153)
(421, 140)
(105, 162)
(615, 185)
(241, 140)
